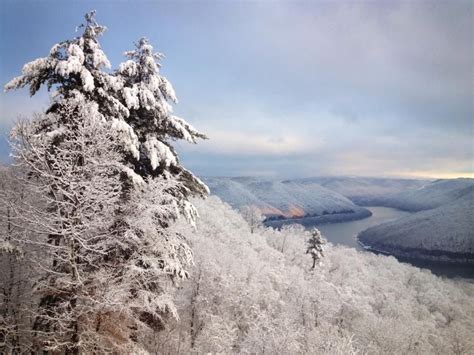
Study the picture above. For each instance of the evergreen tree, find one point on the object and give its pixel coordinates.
(315, 246)
(107, 185)
(75, 65)
(147, 96)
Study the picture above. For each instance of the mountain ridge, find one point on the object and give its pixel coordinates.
(285, 200)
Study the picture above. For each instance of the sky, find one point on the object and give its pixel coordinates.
(285, 88)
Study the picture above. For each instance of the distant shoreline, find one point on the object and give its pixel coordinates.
(439, 256)
(320, 219)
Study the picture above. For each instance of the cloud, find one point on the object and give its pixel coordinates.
(307, 88)
(253, 144)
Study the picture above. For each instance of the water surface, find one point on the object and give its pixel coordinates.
(345, 233)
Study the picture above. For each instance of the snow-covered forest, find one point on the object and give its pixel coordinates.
(88, 203)
(109, 245)
(256, 292)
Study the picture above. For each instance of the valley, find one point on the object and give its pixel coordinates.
(426, 223)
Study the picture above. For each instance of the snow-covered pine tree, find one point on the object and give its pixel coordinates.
(75, 65)
(315, 246)
(108, 184)
(147, 94)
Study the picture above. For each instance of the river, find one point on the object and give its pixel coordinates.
(345, 233)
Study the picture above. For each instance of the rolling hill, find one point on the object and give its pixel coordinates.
(366, 191)
(445, 233)
(286, 200)
(429, 196)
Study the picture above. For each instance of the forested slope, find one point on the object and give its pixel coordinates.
(255, 293)
(444, 233)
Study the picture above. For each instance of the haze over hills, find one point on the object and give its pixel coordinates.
(313, 196)
(286, 199)
(362, 191)
(366, 191)
(429, 195)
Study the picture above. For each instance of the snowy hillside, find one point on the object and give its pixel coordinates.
(443, 233)
(366, 191)
(430, 196)
(279, 200)
(255, 293)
